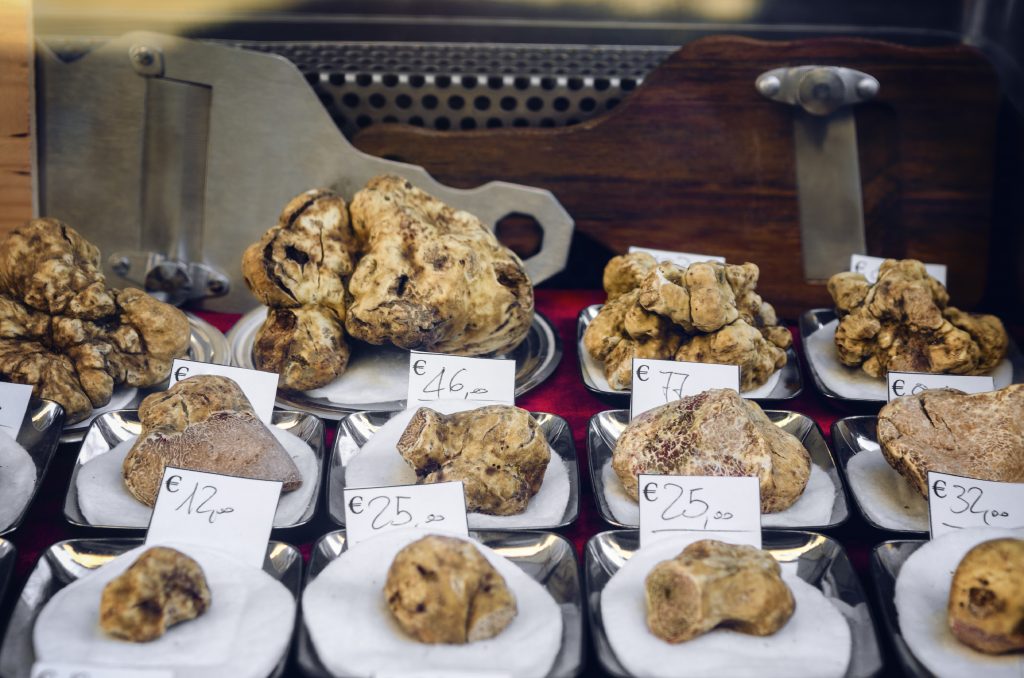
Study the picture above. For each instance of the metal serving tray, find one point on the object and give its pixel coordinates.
(39, 435)
(112, 428)
(790, 382)
(7, 557)
(605, 428)
(548, 558)
(821, 561)
(886, 562)
(356, 429)
(68, 561)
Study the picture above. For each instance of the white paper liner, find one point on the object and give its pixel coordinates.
(104, 499)
(813, 508)
(922, 594)
(375, 374)
(354, 633)
(595, 370)
(245, 631)
(120, 399)
(815, 642)
(17, 480)
(883, 494)
(853, 382)
(379, 464)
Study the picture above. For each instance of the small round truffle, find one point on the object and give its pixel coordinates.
(986, 598)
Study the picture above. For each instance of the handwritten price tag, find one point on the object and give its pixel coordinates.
(912, 383)
(259, 387)
(54, 670)
(656, 382)
(690, 508)
(955, 503)
(13, 404)
(439, 507)
(437, 376)
(216, 511)
(682, 259)
(861, 263)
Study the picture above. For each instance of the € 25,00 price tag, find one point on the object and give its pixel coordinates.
(955, 503)
(226, 513)
(62, 670)
(437, 376)
(259, 387)
(912, 383)
(437, 507)
(690, 508)
(656, 382)
(861, 263)
(681, 259)
(13, 404)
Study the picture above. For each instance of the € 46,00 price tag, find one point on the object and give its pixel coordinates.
(912, 383)
(61, 670)
(437, 376)
(439, 507)
(690, 508)
(861, 263)
(258, 386)
(220, 512)
(955, 503)
(682, 259)
(656, 382)
(13, 403)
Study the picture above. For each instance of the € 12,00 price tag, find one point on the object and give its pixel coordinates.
(13, 404)
(955, 503)
(62, 670)
(437, 507)
(258, 386)
(681, 259)
(656, 382)
(219, 512)
(862, 263)
(690, 508)
(437, 376)
(912, 383)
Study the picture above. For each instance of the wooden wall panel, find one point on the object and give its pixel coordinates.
(16, 114)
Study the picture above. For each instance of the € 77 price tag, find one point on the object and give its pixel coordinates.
(13, 405)
(912, 383)
(437, 376)
(439, 507)
(63, 670)
(681, 259)
(955, 503)
(258, 386)
(656, 382)
(690, 508)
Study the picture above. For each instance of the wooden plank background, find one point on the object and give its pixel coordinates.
(16, 114)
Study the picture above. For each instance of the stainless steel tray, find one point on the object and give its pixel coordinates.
(536, 359)
(605, 428)
(112, 428)
(39, 435)
(790, 382)
(7, 556)
(68, 561)
(206, 344)
(548, 558)
(849, 436)
(355, 429)
(886, 561)
(821, 561)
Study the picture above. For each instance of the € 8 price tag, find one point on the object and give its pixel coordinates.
(912, 383)
(956, 503)
(259, 387)
(13, 404)
(862, 263)
(63, 670)
(656, 382)
(690, 508)
(437, 376)
(681, 259)
(436, 507)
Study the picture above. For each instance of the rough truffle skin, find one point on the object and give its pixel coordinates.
(976, 436)
(431, 277)
(986, 597)
(441, 590)
(712, 584)
(903, 323)
(714, 433)
(625, 272)
(499, 452)
(203, 423)
(306, 346)
(163, 587)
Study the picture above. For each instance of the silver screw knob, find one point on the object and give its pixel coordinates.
(768, 85)
(867, 88)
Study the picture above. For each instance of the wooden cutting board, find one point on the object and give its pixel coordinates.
(696, 160)
(16, 100)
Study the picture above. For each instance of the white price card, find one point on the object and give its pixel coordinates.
(956, 503)
(656, 382)
(690, 508)
(436, 507)
(258, 386)
(912, 383)
(220, 512)
(13, 404)
(862, 263)
(62, 670)
(681, 259)
(438, 376)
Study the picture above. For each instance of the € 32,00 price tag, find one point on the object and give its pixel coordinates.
(437, 507)
(437, 376)
(862, 263)
(225, 513)
(656, 382)
(258, 386)
(690, 508)
(13, 404)
(62, 670)
(956, 503)
(681, 259)
(912, 383)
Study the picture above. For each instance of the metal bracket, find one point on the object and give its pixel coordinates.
(167, 279)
